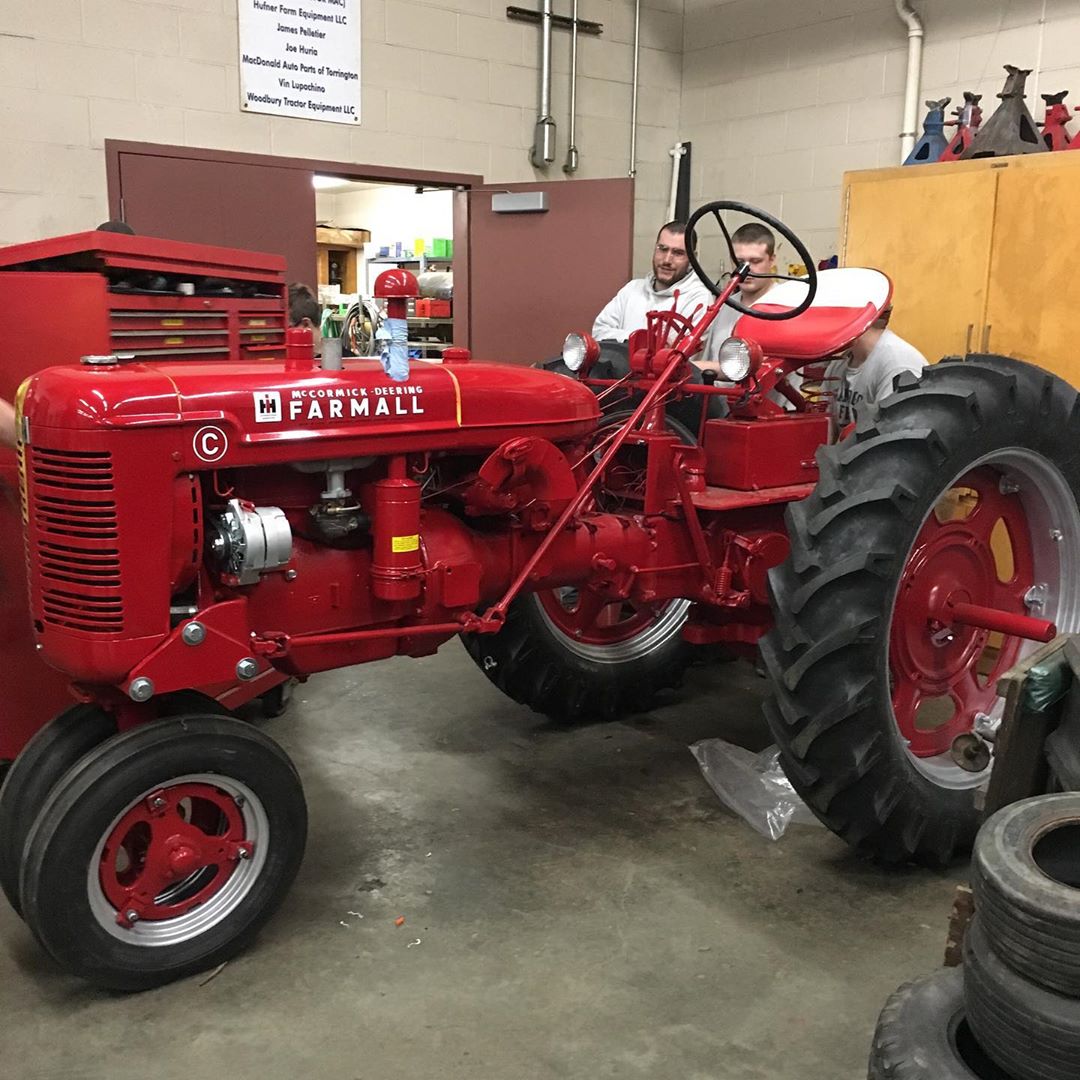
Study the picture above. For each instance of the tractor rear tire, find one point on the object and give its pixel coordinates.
(843, 649)
(535, 660)
(544, 658)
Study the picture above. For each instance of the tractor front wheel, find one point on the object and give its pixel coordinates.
(163, 850)
(961, 488)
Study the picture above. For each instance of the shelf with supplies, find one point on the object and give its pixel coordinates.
(431, 335)
(389, 260)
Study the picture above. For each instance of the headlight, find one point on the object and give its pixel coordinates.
(573, 351)
(735, 359)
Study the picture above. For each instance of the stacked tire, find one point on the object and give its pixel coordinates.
(1022, 952)
(1013, 1011)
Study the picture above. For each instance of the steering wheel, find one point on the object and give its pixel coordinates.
(715, 208)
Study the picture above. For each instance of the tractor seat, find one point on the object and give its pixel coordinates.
(848, 300)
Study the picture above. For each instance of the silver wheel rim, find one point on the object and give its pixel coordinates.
(664, 627)
(1049, 506)
(175, 931)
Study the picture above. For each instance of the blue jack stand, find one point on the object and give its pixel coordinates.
(933, 142)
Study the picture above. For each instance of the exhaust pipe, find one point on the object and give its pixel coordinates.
(543, 149)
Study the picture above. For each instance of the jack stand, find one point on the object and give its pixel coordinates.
(1011, 130)
(932, 143)
(968, 120)
(1075, 144)
(1055, 133)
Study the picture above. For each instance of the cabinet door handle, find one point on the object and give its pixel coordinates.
(986, 337)
(967, 346)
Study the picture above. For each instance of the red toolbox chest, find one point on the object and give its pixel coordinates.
(749, 455)
(101, 292)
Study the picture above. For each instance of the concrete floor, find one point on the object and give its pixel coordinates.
(577, 903)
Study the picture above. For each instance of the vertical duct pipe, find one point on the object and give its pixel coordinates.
(543, 150)
(914, 76)
(633, 100)
(676, 153)
(571, 163)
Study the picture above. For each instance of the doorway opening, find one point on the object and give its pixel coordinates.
(364, 227)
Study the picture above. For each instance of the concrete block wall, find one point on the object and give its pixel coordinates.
(447, 84)
(780, 99)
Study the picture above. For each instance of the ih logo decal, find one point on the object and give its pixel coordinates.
(267, 406)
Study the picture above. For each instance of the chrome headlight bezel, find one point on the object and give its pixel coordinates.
(574, 350)
(735, 359)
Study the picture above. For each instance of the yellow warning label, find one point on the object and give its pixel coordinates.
(405, 543)
(174, 341)
(172, 322)
(257, 322)
(257, 337)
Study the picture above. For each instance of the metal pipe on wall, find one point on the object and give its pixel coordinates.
(676, 153)
(914, 76)
(633, 100)
(571, 163)
(543, 149)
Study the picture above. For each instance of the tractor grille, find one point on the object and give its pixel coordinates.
(73, 519)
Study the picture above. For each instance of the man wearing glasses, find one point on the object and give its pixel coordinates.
(671, 274)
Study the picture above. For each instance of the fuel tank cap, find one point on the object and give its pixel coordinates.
(105, 359)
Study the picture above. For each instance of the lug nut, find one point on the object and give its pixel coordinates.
(194, 633)
(248, 668)
(141, 689)
(131, 916)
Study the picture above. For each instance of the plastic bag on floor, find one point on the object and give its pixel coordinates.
(753, 785)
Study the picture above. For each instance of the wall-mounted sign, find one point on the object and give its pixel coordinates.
(301, 58)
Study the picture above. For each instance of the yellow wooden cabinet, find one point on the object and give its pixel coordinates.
(982, 253)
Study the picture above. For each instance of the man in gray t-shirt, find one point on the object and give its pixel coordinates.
(865, 375)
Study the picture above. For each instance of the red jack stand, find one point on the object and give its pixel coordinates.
(1075, 144)
(1055, 133)
(968, 119)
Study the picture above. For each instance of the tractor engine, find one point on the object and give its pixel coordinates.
(189, 523)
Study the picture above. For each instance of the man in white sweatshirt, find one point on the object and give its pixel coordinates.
(671, 274)
(864, 375)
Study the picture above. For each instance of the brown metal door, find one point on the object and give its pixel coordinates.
(533, 277)
(254, 206)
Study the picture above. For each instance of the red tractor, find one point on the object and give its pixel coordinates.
(187, 522)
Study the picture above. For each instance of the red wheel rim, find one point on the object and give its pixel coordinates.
(592, 619)
(172, 851)
(954, 559)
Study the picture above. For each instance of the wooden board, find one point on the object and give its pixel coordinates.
(931, 232)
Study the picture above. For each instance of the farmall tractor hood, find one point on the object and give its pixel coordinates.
(249, 406)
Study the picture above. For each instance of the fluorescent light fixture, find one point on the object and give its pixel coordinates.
(321, 182)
